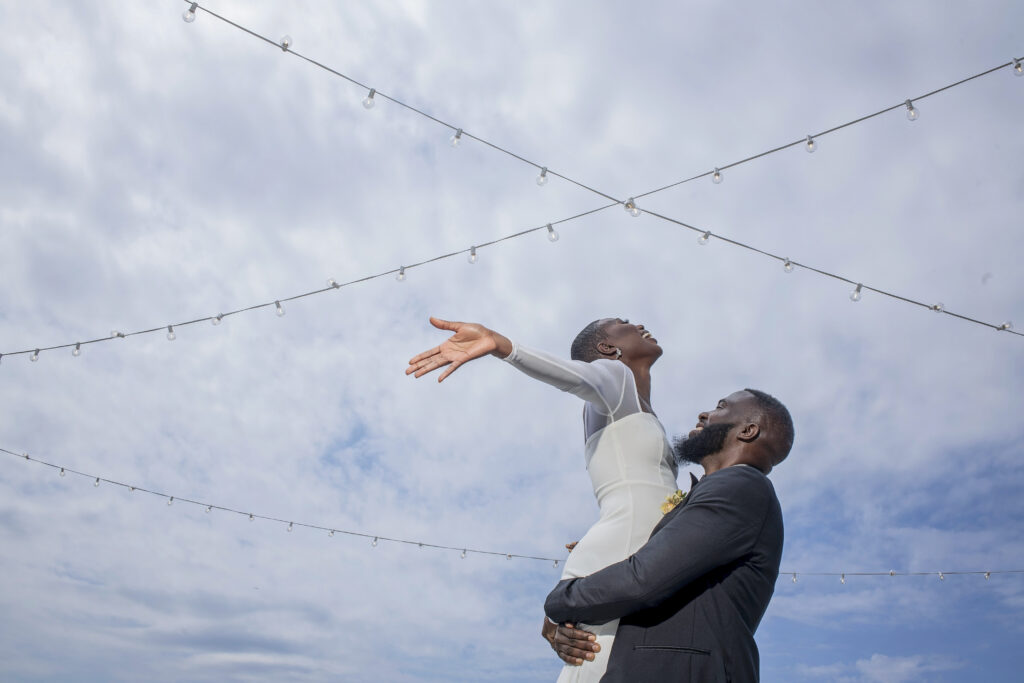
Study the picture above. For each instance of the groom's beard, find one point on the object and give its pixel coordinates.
(704, 443)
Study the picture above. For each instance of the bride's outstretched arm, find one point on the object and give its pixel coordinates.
(469, 342)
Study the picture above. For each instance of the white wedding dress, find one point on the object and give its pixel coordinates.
(631, 467)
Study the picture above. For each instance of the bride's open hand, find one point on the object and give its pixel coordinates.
(469, 342)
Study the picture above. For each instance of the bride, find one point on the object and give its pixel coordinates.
(628, 456)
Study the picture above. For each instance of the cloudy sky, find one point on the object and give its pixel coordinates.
(155, 172)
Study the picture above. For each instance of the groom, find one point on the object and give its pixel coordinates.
(691, 598)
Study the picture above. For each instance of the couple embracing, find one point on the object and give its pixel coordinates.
(664, 586)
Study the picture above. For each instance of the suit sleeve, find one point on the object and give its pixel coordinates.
(719, 524)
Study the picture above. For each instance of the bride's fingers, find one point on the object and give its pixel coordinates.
(426, 354)
(430, 365)
(442, 324)
(452, 368)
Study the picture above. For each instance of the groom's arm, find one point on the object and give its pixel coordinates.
(719, 524)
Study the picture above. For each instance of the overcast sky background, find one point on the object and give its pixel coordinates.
(154, 172)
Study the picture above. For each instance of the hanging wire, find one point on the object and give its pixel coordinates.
(64, 470)
(462, 550)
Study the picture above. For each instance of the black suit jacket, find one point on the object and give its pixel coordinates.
(692, 597)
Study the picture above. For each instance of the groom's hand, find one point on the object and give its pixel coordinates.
(573, 645)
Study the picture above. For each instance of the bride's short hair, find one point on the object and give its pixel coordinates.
(584, 346)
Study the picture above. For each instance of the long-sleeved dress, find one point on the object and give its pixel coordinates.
(631, 467)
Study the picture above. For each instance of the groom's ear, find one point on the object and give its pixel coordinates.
(749, 432)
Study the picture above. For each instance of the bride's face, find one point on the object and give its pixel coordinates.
(635, 341)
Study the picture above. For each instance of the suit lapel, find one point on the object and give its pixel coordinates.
(675, 511)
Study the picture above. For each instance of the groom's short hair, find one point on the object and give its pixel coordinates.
(584, 346)
(776, 421)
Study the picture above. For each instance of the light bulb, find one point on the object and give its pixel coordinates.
(286, 42)
(131, 489)
(62, 471)
(555, 564)
(217, 319)
(374, 542)
(892, 572)
(35, 356)
(77, 351)
(115, 333)
(170, 501)
(631, 207)
(280, 308)
(942, 577)
(703, 239)
(911, 112)
(842, 579)
(938, 308)
(189, 15)
(472, 255)
(463, 554)
(289, 526)
(855, 294)
(170, 333)
(794, 577)
(420, 544)
(456, 139)
(331, 533)
(251, 517)
(988, 575)
(333, 283)
(401, 274)
(716, 177)
(508, 557)
(788, 266)
(208, 508)
(1018, 70)
(552, 234)
(1008, 325)
(811, 144)
(542, 179)
(369, 101)
(97, 482)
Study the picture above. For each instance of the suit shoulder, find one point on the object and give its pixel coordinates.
(740, 480)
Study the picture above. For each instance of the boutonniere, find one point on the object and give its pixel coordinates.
(672, 500)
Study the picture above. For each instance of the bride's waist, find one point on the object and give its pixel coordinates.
(624, 497)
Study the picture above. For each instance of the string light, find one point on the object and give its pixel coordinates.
(542, 179)
(114, 334)
(1018, 70)
(333, 283)
(855, 294)
(369, 101)
(280, 308)
(456, 139)
(788, 266)
(472, 255)
(1014, 63)
(1008, 325)
(216, 320)
(77, 350)
(463, 550)
(463, 555)
(170, 501)
(286, 43)
(811, 144)
(911, 112)
(552, 234)
(189, 15)
(170, 333)
(631, 208)
(842, 579)
(703, 239)
(35, 356)
(401, 274)
(942, 577)
(716, 177)
(937, 307)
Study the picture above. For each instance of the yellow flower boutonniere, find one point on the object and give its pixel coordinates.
(671, 501)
